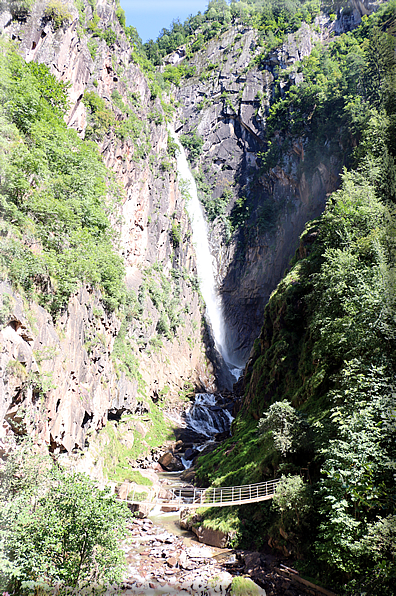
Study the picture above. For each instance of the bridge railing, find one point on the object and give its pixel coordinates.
(196, 497)
(225, 494)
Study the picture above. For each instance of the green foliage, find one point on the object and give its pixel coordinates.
(227, 522)
(57, 527)
(164, 294)
(134, 39)
(193, 143)
(172, 146)
(138, 132)
(293, 501)
(58, 13)
(288, 429)
(118, 101)
(123, 442)
(214, 206)
(52, 180)
(81, 11)
(176, 234)
(125, 359)
(327, 345)
(101, 118)
(92, 47)
(6, 306)
(174, 74)
(273, 19)
(108, 35)
(19, 8)
(244, 586)
(120, 14)
(240, 213)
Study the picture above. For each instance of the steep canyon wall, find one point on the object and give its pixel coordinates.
(60, 379)
(226, 102)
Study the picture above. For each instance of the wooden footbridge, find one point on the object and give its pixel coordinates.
(181, 497)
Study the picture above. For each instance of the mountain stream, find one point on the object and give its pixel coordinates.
(163, 556)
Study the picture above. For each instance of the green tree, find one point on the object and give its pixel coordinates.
(288, 428)
(292, 499)
(57, 527)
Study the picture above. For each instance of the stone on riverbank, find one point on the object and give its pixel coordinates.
(211, 537)
(170, 462)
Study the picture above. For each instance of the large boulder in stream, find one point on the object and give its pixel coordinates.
(188, 475)
(211, 537)
(170, 462)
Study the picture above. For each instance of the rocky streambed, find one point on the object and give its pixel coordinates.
(165, 557)
(162, 562)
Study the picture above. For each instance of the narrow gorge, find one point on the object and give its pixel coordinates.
(198, 282)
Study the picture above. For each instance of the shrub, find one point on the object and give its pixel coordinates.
(101, 117)
(120, 14)
(289, 430)
(52, 180)
(57, 527)
(172, 146)
(193, 143)
(176, 234)
(19, 8)
(58, 13)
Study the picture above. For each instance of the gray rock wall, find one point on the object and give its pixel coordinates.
(227, 106)
(70, 392)
(226, 102)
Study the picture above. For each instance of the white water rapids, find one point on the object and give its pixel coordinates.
(208, 419)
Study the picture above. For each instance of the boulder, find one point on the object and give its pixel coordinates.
(187, 519)
(188, 475)
(211, 537)
(170, 462)
(190, 453)
(169, 508)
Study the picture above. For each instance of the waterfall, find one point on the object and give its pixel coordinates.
(208, 416)
(205, 261)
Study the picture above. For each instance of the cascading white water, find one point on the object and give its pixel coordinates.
(205, 262)
(206, 418)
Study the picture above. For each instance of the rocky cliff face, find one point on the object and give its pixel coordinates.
(226, 102)
(59, 380)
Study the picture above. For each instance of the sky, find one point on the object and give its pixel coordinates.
(150, 16)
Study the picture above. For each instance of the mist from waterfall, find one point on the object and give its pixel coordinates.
(205, 261)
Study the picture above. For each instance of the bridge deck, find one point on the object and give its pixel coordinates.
(223, 496)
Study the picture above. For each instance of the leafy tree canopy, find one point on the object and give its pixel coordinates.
(56, 527)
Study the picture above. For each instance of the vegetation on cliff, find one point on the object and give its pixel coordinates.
(321, 375)
(57, 197)
(272, 18)
(319, 406)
